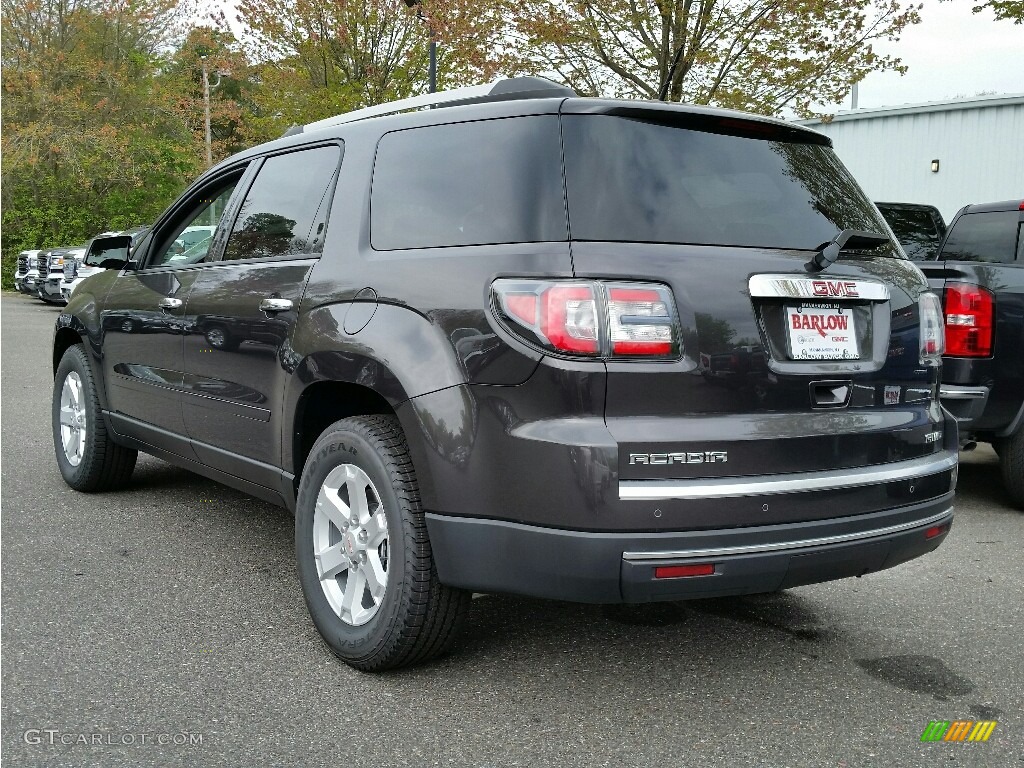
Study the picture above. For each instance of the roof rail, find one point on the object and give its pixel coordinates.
(506, 89)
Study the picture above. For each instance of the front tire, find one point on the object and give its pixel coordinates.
(87, 457)
(1011, 459)
(364, 559)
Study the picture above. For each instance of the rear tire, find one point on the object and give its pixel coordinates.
(364, 559)
(88, 459)
(1011, 459)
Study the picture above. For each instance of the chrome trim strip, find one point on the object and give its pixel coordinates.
(725, 487)
(784, 545)
(817, 288)
(963, 393)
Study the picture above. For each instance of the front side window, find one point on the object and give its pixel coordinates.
(285, 209)
(990, 237)
(189, 241)
(479, 183)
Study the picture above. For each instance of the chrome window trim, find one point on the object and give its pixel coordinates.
(726, 487)
(786, 545)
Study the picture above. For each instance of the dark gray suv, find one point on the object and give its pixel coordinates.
(581, 349)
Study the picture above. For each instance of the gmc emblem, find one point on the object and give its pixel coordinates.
(690, 457)
(835, 288)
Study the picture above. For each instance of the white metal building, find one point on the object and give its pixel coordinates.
(944, 153)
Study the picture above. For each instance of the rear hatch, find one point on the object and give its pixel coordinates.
(783, 369)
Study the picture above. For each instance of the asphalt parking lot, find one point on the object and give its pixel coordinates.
(171, 612)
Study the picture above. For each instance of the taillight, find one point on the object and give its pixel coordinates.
(639, 320)
(932, 339)
(590, 318)
(969, 313)
(568, 318)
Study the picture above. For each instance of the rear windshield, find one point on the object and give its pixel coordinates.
(988, 237)
(915, 229)
(640, 181)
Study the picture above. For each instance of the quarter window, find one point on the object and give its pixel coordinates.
(285, 209)
(492, 181)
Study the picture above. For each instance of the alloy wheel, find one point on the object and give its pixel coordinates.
(73, 424)
(350, 544)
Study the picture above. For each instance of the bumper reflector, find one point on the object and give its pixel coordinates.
(679, 571)
(936, 530)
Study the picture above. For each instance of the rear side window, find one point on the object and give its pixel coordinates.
(635, 180)
(982, 237)
(493, 181)
(916, 230)
(285, 209)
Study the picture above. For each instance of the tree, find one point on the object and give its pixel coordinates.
(232, 98)
(88, 143)
(757, 55)
(1004, 10)
(318, 58)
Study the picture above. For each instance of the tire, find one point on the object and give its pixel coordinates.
(1011, 459)
(219, 338)
(87, 457)
(414, 618)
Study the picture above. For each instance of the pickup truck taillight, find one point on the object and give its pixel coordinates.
(969, 313)
(591, 318)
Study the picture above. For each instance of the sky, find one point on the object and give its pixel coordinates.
(951, 53)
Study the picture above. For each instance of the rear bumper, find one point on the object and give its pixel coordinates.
(497, 556)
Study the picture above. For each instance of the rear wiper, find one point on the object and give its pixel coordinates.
(848, 238)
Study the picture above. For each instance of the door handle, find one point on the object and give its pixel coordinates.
(169, 304)
(276, 305)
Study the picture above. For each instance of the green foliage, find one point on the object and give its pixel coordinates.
(92, 137)
(1008, 10)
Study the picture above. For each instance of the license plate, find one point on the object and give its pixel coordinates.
(821, 332)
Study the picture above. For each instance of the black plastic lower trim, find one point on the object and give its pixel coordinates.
(498, 556)
(168, 446)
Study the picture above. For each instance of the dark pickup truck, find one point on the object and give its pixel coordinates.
(980, 275)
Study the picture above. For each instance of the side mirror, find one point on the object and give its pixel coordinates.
(109, 252)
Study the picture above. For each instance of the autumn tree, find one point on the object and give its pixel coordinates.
(759, 55)
(1004, 10)
(87, 143)
(322, 57)
(232, 96)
